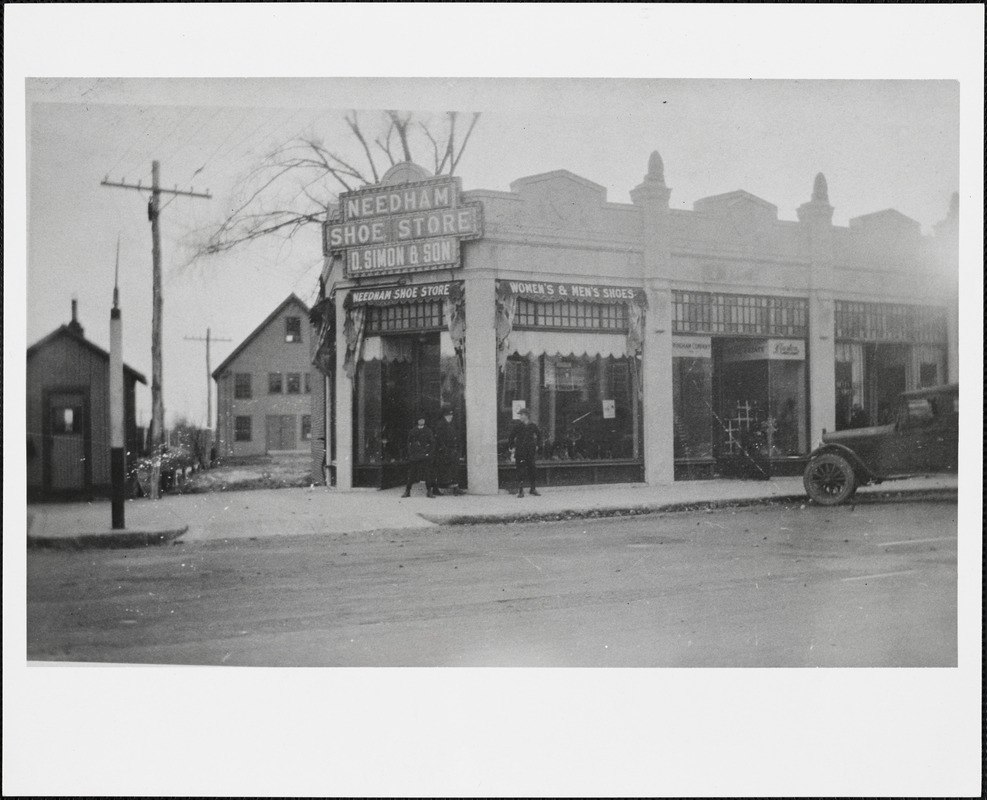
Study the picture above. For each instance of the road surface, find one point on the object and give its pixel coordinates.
(872, 585)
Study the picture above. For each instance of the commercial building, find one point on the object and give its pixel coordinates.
(648, 343)
(264, 387)
(68, 415)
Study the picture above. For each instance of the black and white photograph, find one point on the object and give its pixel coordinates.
(414, 403)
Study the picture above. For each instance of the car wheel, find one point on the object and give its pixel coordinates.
(829, 479)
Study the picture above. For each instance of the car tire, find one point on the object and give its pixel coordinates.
(829, 479)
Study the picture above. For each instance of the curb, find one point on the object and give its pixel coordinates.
(105, 541)
(909, 495)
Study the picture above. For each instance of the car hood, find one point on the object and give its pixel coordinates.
(852, 435)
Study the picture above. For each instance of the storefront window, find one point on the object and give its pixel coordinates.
(785, 427)
(586, 406)
(871, 375)
(692, 373)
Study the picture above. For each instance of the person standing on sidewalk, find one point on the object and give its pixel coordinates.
(421, 445)
(524, 440)
(446, 455)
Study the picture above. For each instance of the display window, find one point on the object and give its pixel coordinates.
(587, 406)
(692, 393)
(871, 375)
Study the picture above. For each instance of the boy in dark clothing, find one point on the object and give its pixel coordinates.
(421, 445)
(446, 455)
(524, 440)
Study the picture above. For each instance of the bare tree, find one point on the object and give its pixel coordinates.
(298, 183)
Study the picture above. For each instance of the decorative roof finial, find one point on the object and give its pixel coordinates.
(820, 191)
(656, 169)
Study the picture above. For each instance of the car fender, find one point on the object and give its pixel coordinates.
(862, 472)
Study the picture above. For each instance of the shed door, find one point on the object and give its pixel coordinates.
(67, 441)
(280, 432)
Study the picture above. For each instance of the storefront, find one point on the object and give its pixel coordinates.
(883, 349)
(570, 354)
(647, 343)
(739, 384)
(404, 351)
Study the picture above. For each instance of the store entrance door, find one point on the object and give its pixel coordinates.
(402, 377)
(411, 386)
(740, 388)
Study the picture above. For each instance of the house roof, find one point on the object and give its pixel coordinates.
(67, 332)
(290, 299)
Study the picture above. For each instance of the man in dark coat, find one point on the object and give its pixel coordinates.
(524, 440)
(421, 445)
(446, 460)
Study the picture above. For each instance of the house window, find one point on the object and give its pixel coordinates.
(274, 383)
(294, 383)
(241, 386)
(243, 431)
(306, 426)
(308, 383)
(293, 329)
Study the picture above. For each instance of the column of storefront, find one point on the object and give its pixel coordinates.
(481, 384)
(344, 404)
(816, 218)
(651, 196)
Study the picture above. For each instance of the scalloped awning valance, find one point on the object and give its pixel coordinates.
(556, 343)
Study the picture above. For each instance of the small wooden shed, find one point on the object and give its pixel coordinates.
(68, 415)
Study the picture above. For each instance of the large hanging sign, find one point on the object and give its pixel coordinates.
(411, 227)
(764, 350)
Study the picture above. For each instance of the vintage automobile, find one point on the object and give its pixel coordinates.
(921, 440)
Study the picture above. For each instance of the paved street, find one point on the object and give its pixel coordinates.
(775, 586)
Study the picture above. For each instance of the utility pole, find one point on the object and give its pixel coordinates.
(207, 340)
(157, 403)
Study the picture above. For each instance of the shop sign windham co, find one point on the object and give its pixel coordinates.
(411, 227)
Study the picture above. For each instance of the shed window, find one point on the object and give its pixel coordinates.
(294, 383)
(274, 383)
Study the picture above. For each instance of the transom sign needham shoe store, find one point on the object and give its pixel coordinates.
(649, 344)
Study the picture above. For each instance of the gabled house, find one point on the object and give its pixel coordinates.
(264, 387)
(68, 415)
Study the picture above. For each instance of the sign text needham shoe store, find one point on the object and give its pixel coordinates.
(412, 228)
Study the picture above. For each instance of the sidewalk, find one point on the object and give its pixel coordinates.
(318, 510)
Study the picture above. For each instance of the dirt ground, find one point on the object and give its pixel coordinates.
(262, 472)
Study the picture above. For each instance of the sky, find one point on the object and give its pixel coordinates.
(886, 101)
(768, 137)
